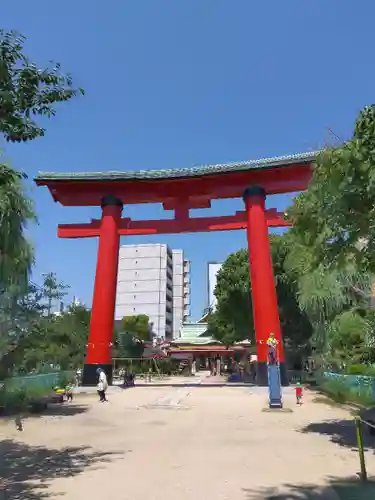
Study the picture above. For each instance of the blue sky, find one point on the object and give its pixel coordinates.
(176, 83)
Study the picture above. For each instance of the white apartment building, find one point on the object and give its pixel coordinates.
(154, 280)
(181, 291)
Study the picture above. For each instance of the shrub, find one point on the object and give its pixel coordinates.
(19, 399)
(361, 369)
(336, 389)
(339, 391)
(64, 379)
(13, 401)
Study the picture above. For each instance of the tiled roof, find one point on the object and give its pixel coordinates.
(264, 163)
(191, 333)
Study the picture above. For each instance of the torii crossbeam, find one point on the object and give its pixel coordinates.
(128, 227)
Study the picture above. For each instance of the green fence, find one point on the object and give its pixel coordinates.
(355, 383)
(36, 382)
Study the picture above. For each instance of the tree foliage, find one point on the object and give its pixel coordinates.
(32, 338)
(16, 212)
(349, 337)
(59, 341)
(28, 95)
(295, 324)
(321, 308)
(336, 215)
(53, 290)
(232, 320)
(333, 247)
(134, 331)
(128, 346)
(138, 326)
(28, 92)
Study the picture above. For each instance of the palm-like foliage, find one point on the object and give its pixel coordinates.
(331, 297)
(16, 211)
(16, 257)
(324, 293)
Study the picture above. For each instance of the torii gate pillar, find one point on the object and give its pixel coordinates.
(99, 348)
(264, 298)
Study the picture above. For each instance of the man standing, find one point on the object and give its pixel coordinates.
(102, 385)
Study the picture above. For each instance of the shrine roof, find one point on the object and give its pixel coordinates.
(204, 170)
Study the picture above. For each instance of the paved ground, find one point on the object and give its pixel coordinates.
(198, 442)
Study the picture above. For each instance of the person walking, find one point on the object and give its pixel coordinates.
(78, 377)
(102, 385)
(299, 393)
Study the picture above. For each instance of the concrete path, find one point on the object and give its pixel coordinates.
(197, 442)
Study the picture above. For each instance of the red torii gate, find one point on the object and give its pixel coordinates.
(180, 190)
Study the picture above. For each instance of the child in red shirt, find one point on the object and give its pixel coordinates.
(299, 393)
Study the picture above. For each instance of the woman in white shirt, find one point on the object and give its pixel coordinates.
(102, 385)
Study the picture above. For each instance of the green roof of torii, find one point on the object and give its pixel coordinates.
(265, 163)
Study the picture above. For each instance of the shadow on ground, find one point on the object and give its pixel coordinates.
(341, 432)
(345, 489)
(53, 410)
(203, 385)
(25, 471)
(323, 399)
(64, 410)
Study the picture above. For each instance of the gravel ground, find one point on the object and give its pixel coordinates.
(187, 442)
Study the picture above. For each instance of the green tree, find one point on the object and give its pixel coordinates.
(349, 338)
(232, 320)
(129, 346)
(59, 340)
(329, 296)
(295, 323)
(26, 91)
(138, 326)
(336, 215)
(53, 290)
(16, 212)
(20, 317)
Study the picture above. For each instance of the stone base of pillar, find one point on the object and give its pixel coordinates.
(262, 375)
(90, 376)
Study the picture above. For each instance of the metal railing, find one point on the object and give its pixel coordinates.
(361, 450)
